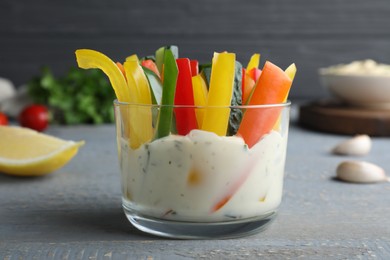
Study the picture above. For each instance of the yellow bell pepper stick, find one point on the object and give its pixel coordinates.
(133, 57)
(90, 59)
(220, 93)
(200, 97)
(290, 71)
(141, 87)
(253, 62)
(141, 130)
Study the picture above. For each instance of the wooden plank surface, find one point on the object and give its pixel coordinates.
(311, 33)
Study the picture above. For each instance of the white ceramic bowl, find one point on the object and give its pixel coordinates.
(370, 91)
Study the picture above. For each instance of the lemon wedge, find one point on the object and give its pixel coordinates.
(25, 152)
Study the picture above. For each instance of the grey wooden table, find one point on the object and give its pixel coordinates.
(76, 212)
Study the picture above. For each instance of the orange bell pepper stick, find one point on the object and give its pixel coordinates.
(120, 66)
(263, 119)
(271, 88)
(151, 65)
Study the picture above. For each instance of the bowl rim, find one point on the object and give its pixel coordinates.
(280, 105)
(323, 72)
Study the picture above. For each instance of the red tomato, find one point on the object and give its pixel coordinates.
(3, 119)
(35, 117)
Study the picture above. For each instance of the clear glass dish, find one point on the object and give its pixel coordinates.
(201, 185)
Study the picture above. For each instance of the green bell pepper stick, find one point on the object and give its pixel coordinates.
(171, 72)
(160, 59)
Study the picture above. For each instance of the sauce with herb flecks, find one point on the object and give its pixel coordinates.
(204, 177)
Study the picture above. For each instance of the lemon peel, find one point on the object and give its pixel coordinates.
(25, 152)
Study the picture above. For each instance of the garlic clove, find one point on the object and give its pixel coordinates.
(14, 105)
(7, 89)
(358, 145)
(360, 172)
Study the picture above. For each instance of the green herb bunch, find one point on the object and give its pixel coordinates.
(81, 96)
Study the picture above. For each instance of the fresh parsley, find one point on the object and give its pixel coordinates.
(81, 96)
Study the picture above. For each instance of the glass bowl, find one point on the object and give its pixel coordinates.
(201, 185)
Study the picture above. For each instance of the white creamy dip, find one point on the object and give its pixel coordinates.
(362, 68)
(186, 178)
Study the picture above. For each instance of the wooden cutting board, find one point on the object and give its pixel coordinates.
(336, 117)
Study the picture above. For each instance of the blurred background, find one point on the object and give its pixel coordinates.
(312, 34)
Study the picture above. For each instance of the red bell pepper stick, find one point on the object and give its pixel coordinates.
(194, 67)
(251, 78)
(185, 117)
(255, 74)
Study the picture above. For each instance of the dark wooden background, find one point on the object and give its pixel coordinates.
(310, 33)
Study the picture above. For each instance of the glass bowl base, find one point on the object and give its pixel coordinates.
(197, 230)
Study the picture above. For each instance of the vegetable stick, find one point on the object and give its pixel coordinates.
(248, 88)
(220, 93)
(90, 59)
(253, 62)
(170, 73)
(151, 65)
(120, 66)
(141, 130)
(200, 97)
(141, 89)
(290, 71)
(243, 84)
(160, 56)
(185, 117)
(155, 85)
(194, 67)
(271, 88)
(251, 76)
(254, 74)
(269, 114)
(132, 57)
(242, 177)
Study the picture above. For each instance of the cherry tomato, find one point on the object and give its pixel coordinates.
(35, 117)
(3, 119)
